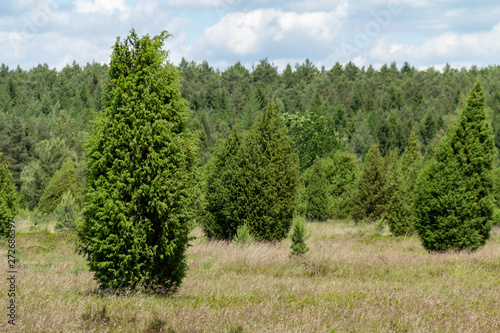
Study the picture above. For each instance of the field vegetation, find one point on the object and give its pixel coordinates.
(354, 278)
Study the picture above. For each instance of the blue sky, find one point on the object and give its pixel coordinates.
(423, 32)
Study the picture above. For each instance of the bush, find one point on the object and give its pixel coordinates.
(400, 182)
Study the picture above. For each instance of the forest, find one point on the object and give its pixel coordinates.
(45, 114)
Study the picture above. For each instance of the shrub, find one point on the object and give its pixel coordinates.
(270, 176)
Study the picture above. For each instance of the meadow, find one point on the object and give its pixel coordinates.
(355, 278)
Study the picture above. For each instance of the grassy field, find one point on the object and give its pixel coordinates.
(354, 279)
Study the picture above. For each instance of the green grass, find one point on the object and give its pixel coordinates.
(354, 279)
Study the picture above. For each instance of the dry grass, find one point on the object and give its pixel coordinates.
(354, 279)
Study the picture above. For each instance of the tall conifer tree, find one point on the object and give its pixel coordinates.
(369, 199)
(271, 176)
(399, 188)
(224, 190)
(317, 192)
(453, 207)
(140, 162)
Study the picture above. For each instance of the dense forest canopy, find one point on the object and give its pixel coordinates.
(45, 113)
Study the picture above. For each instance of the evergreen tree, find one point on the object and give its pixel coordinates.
(341, 174)
(317, 192)
(453, 207)
(63, 180)
(140, 162)
(8, 198)
(400, 181)
(224, 190)
(299, 237)
(67, 213)
(369, 200)
(270, 175)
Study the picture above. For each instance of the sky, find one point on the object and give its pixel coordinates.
(367, 32)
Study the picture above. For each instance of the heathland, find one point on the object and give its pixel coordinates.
(355, 278)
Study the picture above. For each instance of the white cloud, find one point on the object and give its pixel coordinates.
(260, 32)
(100, 6)
(216, 4)
(318, 5)
(447, 47)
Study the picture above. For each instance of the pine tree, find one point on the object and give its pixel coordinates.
(140, 162)
(369, 199)
(270, 175)
(453, 207)
(400, 182)
(317, 192)
(8, 198)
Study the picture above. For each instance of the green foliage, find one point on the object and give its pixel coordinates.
(400, 181)
(63, 180)
(312, 136)
(243, 235)
(8, 198)
(35, 177)
(341, 174)
(67, 213)
(270, 176)
(252, 181)
(224, 189)
(495, 189)
(317, 192)
(299, 237)
(369, 200)
(453, 207)
(140, 162)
